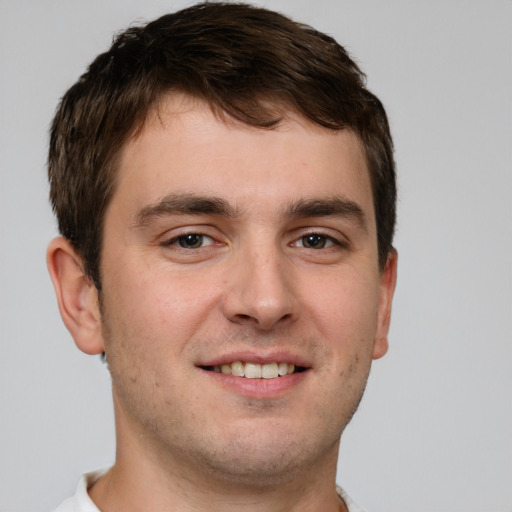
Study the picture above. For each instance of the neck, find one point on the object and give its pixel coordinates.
(120, 491)
(147, 477)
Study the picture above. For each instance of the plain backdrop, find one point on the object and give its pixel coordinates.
(434, 431)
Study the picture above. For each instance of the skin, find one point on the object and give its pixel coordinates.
(272, 277)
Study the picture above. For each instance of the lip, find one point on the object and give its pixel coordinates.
(256, 388)
(259, 358)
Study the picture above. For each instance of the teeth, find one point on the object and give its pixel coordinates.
(285, 368)
(252, 371)
(270, 371)
(237, 369)
(225, 368)
(255, 370)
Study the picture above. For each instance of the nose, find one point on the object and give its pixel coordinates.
(260, 291)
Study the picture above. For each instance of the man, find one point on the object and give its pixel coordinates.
(224, 185)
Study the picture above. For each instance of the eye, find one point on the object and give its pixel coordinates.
(190, 241)
(315, 241)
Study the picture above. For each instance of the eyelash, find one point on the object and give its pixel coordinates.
(325, 241)
(176, 240)
(322, 238)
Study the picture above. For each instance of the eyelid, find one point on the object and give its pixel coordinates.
(173, 240)
(171, 236)
(328, 240)
(338, 240)
(176, 241)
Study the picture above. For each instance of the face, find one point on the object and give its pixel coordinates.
(229, 251)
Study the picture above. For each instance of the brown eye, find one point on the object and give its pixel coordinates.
(314, 241)
(192, 241)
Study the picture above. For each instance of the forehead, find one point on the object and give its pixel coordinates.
(185, 147)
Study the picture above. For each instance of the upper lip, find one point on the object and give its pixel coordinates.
(256, 357)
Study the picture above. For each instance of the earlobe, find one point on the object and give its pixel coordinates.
(77, 296)
(387, 289)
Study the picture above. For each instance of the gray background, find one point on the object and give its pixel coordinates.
(434, 432)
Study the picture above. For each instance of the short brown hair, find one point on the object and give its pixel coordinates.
(250, 63)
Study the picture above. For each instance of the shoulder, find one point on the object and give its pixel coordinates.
(352, 507)
(80, 501)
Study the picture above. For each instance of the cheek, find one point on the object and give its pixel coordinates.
(346, 309)
(156, 306)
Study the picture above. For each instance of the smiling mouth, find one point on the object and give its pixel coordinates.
(256, 371)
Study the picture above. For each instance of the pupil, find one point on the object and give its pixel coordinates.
(315, 241)
(191, 241)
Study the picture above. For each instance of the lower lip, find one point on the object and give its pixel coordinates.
(258, 388)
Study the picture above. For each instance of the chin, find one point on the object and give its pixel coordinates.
(258, 461)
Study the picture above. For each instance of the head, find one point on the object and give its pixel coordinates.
(247, 63)
(226, 187)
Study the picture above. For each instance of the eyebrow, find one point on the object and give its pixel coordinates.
(324, 207)
(190, 204)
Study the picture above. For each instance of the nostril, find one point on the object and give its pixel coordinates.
(242, 317)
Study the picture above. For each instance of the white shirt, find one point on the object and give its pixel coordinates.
(81, 502)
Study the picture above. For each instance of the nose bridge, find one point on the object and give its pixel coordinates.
(260, 289)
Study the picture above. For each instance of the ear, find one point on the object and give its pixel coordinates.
(387, 290)
(76, 295)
